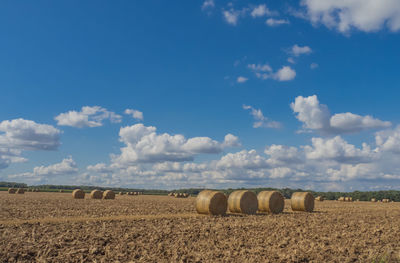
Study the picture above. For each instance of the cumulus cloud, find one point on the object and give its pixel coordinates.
(260, 121)
(28, 135)
(363, 15)
(87, 117)
(389, 140)
(241, 79)
(208, 4)
(137, 115)
(261, 10)
(276, 22)
(314, 65)
(231, 16)
(316, 116)
(286, 73)
(243, 160)
(297, 50)
(41, 173)
(144, 145)
(264, 71)
(339, 150)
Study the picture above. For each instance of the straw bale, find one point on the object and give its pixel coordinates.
(243, 201)
(96, 194)
(78, 194)
(270, 201)
(302, 201)
(108, 194)
(211, 203)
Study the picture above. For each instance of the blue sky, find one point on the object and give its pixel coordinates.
(305, 90)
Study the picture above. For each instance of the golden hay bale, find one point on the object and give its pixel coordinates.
(270, 201)
(342, 199)
(211, 203)
(121, 193)
(243, 201)
(302, 201)
(12, 190)
(319, 198)
(186, 195)
(96, 194)
(78, 194)
(20, 191)
(348, 199)
(61, 191)
(385, 200)
(108, 194)
(373, 199)
(170, 194)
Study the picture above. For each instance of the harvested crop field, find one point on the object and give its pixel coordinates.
(53, 227)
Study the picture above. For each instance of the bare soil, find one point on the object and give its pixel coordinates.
(53, 227)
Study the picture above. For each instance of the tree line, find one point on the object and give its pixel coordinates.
(393, 195)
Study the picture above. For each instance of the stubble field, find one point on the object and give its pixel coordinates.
(53, 227)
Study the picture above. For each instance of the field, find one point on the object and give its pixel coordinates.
(53, 227)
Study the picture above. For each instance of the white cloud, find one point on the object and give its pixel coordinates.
(260, 121)
(87, 117)
(338, 150)
(28, 135)
(291, 60)
(264, 71)
(137, 115)
(364, 15)
(314, 65)
(100, 168)
(297, 50)
(316, 116)
(40, 173)
(260, 67)
(208, 4)
(276, 22)
(243, 160)
(261, 10)
(389, 140)
(231, 16)
(144, 145)
(286, 73)
(241, 79)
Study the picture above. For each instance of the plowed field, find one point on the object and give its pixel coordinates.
(53, 227)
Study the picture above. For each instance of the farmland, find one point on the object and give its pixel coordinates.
(53, 227)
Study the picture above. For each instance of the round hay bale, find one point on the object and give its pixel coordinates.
(319, 198)
(108, 194)
(20, 191)
(186, 195)
(243, 201)
(96, 194)
(341, 199)
(211, 203)
(12, 190)
(121, 193)
(385, 200)
(373, 200)
(270, 201)
(78, 194)
(302, 201)
(61, 191)
(348, 199)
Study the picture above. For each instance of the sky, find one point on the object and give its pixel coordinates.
(203, 93)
